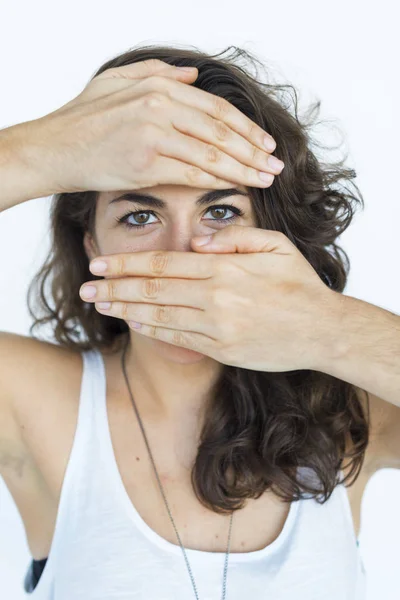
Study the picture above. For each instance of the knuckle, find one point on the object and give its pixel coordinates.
(151, 287)
(162, 314)
(213, 155)
(124, 311)
(149, 63)
(155, 99)
(221, 107)
(112, 290)
(193, 174)
(159, 262)
(179, 338)
(256, 154)
(222, 131)
(153, 331)
(120, 265)
(252, 126)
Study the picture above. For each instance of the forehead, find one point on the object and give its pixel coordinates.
(168, 193)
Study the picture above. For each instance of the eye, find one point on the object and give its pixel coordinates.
(124, 219)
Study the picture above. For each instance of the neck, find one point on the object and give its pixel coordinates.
(168, 385)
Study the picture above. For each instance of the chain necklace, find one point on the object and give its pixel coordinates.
(163, 494)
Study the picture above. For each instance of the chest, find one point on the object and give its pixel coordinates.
(174, 453)
(257, 525)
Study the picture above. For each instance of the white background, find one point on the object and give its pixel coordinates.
(344, 53)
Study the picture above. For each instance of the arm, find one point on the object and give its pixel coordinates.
(23, 164)
(363, 348)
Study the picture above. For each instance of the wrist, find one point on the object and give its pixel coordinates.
(332, 342)
(25, 171)
(35, 151)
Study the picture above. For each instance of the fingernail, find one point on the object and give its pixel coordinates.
(98, 266)
(269, 143)
(88, 292)
(267, 177)
(103, 305)
(275, 163)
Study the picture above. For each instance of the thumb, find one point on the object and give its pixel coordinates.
(147, 68)
(115, 78)
(244, 239)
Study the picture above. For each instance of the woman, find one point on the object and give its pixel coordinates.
(141, 502)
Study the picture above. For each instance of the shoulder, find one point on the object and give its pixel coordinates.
(32, 368)
(383, 449)
(40, 383)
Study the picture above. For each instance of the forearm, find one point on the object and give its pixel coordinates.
(363, 348)
(22, 165)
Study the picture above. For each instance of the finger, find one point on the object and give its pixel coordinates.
(156, 263)
(181, 173)
(177, 292)
(193, 341)
(201, 126)
(205, 160)
(146, 68)
(172, 317)
(216, 107)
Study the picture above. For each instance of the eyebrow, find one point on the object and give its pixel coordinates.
(155, 202)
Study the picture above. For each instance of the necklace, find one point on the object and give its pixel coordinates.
(163, 494)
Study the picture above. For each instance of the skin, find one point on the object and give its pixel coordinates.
(163, 373)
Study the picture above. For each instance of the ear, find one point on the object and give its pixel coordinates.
(90, 246)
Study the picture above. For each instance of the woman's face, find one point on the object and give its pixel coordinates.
(168, 220)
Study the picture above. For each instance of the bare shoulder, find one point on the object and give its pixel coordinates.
(383, 448)
(39, 400)
(39, 380)
(384, 438)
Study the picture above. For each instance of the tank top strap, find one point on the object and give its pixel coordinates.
(91, 404)
(91, 394)
(93, 379)
(76, 482)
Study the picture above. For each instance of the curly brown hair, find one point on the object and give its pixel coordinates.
(260, 426)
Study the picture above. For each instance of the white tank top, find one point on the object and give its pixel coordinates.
(103, 550)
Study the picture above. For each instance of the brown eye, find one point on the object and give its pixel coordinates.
(135, 215)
